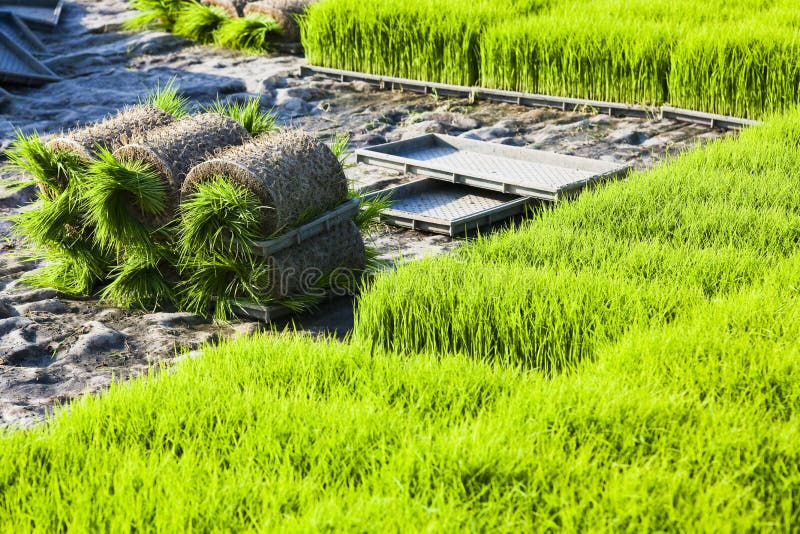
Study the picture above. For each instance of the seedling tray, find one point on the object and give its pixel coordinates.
(344, 212)
(14, 28)
(18, 66)
(513, 170)
(270, 312)
(454, 210)
(37, 13)
(260, 312)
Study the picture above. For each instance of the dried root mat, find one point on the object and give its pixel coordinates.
(127, 126)
(334, 258)
(173, 150)
(234, 8)
(284, 12)
(293, 174)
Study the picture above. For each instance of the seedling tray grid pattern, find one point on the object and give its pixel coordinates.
(455, 210)
(491, 166)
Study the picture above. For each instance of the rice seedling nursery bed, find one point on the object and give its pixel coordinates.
(627, 361)
(623, 361)
(734, 58)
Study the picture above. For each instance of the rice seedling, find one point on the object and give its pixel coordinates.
(219, 281)
(247, 113)
(76, 268)
(252, 33)
(142, 281)
(40, 165)
(655, 245)
(199, 22)
(159, 14)
(168, 99)
(217, 216)
(115, 189)
(686, 426)
(701, 55)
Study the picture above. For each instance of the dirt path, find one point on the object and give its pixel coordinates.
(53, 349)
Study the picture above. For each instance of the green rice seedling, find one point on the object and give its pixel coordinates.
(76, 268)
(249, 114)
(252, 33)
(142, 281)
(741, 69)
(549, 319)
(199, 22)
(168, 99)
(41, 166)
(216, 282)
(696, 225)
(688, 427)
(159, 14)
(218, 215)
(585, 55)
(112, 185)
(340, 146)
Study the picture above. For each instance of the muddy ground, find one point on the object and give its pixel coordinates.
(53, 348)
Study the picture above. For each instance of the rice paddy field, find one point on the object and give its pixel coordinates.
(734, 57)
(624, 362)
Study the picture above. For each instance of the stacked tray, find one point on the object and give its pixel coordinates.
(18, 66)
(18, 44)
(267, 313)
(487, 181)
(37, 13)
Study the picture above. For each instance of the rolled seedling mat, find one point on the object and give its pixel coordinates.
(234, 8)
(291, 172)
(284, 12)
(127, 126)
(172, 151)
(338, 253)
(130, 125)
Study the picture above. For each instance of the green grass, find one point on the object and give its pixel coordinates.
(732, 57)
(642, 251)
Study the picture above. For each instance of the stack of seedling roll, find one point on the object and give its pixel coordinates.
(281, 180)
(150, 208)
(57, 227)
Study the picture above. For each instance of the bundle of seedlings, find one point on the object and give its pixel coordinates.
(253, 33)
(257, 192)
(293, 175)
(158, 14)
(284, 12)
(199, 21)
(56, 228)
(133, 194)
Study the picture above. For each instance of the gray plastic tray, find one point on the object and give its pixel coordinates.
(492, 166)
(18, 66)
(455, 210)
(530, 99)
(344, 212)
(37, 13)
(712, 120)
(260, 312)
(12, 25)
